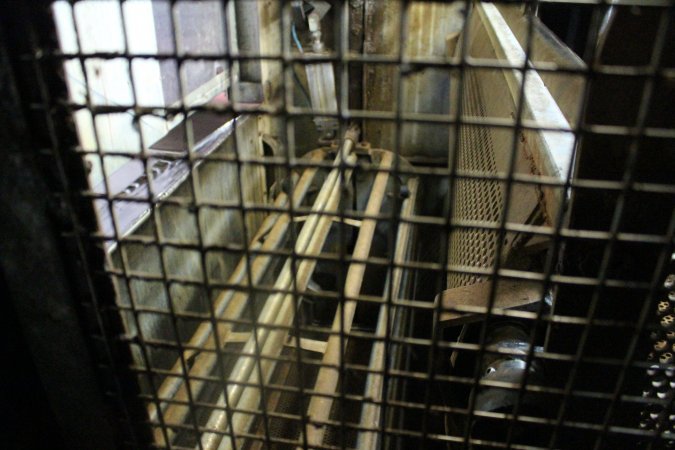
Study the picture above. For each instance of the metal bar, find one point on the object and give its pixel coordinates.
(118, 234)
(560, 221)
(231, 303)
(370, 414)
(520, 109)
(448, 210)
(271, 231)
(181, 363)
(277, 310)
(230, 32)
(657, 60)
(327, 379)
(510, 294)
(289, 129)
(610, 251)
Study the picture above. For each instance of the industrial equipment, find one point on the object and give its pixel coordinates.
(364, 224)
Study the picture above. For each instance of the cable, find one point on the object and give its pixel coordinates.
(294, 33)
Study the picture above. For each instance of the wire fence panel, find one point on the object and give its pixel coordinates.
(370, 224)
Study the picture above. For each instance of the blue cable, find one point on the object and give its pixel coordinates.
(294, 33)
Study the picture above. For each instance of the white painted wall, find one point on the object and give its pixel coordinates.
(99, 25)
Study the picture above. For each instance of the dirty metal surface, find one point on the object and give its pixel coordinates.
(509, 294)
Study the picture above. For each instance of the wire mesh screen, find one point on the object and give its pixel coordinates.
(373, 224)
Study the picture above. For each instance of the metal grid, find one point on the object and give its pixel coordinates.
(585, 213)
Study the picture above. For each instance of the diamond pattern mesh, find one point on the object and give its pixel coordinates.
(476, 199)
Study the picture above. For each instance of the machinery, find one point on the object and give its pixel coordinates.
(360, 224)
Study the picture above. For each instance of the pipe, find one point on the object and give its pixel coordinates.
(228, 304)
(278, 310)
(370, 413)
(326, 381)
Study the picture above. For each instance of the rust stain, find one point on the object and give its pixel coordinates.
(541, 196)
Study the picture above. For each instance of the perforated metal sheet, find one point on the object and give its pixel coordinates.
(483, 156)
(476, 199)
